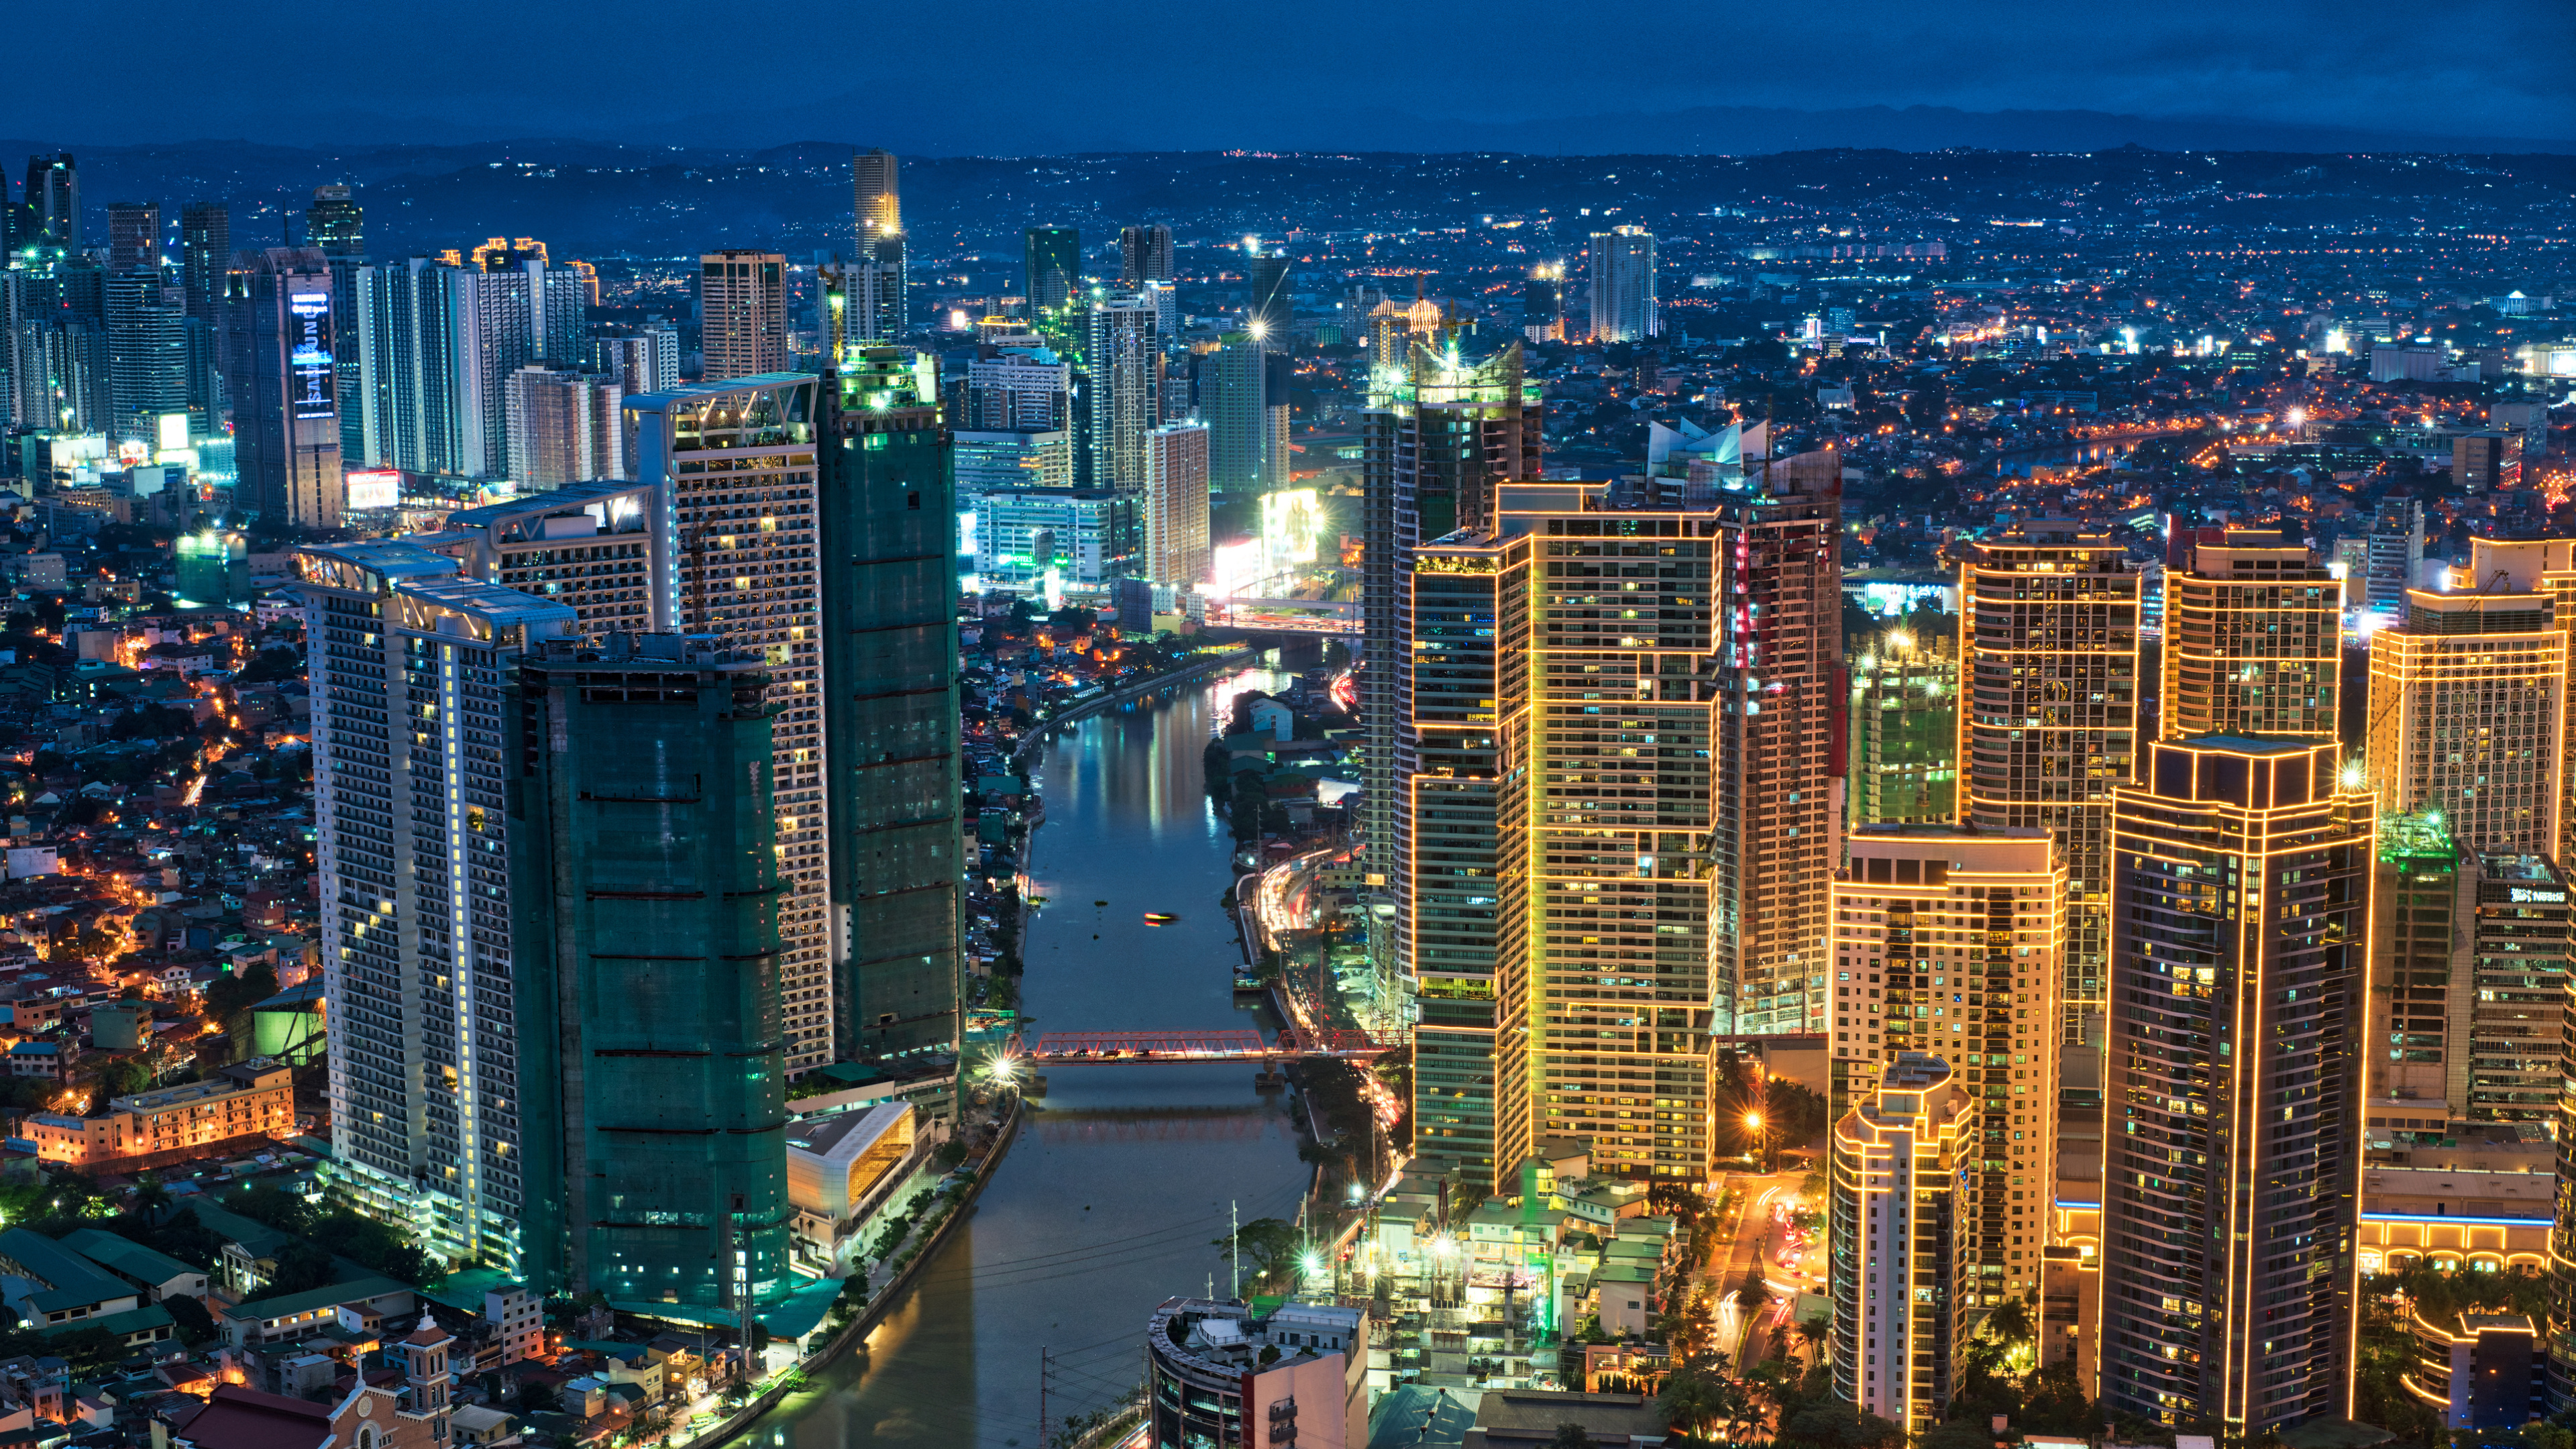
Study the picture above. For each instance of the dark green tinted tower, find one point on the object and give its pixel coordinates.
(1055, 267)
(646, 877)
(888, 530)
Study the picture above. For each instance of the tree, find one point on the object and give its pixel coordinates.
(1695, 1397)
(268, 1203)
(150, 1198)
(195, 1324)
(1269, 1247)
(1572, 1436)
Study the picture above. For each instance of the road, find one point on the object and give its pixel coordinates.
(1755, 1237)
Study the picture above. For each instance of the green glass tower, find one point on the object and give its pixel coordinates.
(646, 874)
(888, 587)
(1055, 268)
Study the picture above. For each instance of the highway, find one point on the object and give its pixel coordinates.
(1756, 1236)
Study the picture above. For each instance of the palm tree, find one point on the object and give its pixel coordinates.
(151, 1198)
(1815, 1331)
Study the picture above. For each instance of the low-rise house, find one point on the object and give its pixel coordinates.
(298, 1315)
(158, 1274)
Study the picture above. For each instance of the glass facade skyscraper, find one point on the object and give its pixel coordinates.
(1054, 268)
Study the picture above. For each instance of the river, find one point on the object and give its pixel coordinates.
(1108, 1202)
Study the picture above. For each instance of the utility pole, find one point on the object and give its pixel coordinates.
(1042, 1388)
(1234, 1245)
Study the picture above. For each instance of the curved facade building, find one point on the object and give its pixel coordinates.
(1223, 1378)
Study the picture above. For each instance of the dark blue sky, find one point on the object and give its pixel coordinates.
(1026, 75)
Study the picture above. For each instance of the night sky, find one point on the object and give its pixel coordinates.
(1024, 76)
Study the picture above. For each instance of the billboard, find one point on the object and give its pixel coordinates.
(308, 356)
(375, 488)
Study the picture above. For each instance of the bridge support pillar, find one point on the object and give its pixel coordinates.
(1271, 1078)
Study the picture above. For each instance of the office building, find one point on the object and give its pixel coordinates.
(750, 570)
(1024, 535)
(863, 301)
(1904, 728)
(2487, 462)
(875, 285)
(1020, 388)
(603, 550)
(53, 201)
(644, 887)
(205, 254)
(1894, 1230)
(1175, 505)
(335, 224)
(2392, 555)
(2230, 1185)
(2468, 980)
(147, 350)
(989, 459)
(133, 235)
(1543, 303)
(1124, 361)
(1269, 305)
(564, 427)
(416, 881)
(1970, 924)
(1439, 437)
(742, 300)
(1624, 308)
(213, 568)
(1054, 269)
(1234, 398)
(643, 356)
(2467, 699)
(889, 626)
(2253, 630)
(286, 421)
(2048, 644)
(1144, 255)
(1451, 890)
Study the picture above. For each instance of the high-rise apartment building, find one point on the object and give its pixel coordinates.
(2468, 694)
(750, 570)
(147, 349)
(2253, 631)
(1054, 269)
(742, 299)
(2048, 645)
(1267, 311)
(286, 421)
(1543, 303)
(1175, 505)
(1144, 255)
(335, 224)
(642, 356)
(1904, 728)
(1451, 890)
(1234, 398)
(863, 301)
(2392, 555)
(412, 675)
(2468, 980)
(1018, 388)
(205, 254)
(889, 626)
(133, 235)
(437, 345)
(1624, 307)
(1125, 361)
(2230, 1179)
(53, 200)
(647, 889)
(876, 197)
(1439, 437)
(1946, 945)
(565, 427)
(603, 550)
(1004, 458)
(1893, 1227)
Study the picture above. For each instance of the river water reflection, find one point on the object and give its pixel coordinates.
(1108, 1202)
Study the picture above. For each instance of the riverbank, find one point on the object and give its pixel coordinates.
(1040, 734)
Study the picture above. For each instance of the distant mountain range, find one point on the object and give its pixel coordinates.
(1702, 130)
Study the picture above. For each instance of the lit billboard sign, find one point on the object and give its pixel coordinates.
(380, 488)
(308, 357)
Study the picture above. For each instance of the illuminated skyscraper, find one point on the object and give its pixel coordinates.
(1894, 1229)
(133, 235)
(1125, 361)
(1543, 303)
(876, 200)
(742, 297)
(1266, 315)
(642, 356)
(871, 288)
(603, 550)
(1440, 437)
(147, 347)
(1019, 388)
(1624, 305)
(53, 201)
(437, 345)
(1234, 398)
(286, 423)
(2230, 1177)
(750, 571)
(2253, 631)
(2467, 701)
(1904, 728)
(2048, 633)
(1144, 255)
(1054, 268)
(205, 254)
(1175, 505)
(335, 224)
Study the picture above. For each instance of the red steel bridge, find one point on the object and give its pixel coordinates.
(1186, 1048)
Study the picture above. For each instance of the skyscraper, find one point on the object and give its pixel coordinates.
(2467, 701)
(1904, 728)
(1543, 303)
(53, 200)
(642, 356)
(1018, 388)
(286, 423)
(2230, 1185)
(437, 345)
(750, 573)
(1971, 924)
(133, 235)
(887, 574)
(1439, 438)
(603, 550)
(147, 348)
(876, 201)
(648, 892)
(2253, 637)
(1624, 305)
(1144, 255)
(871, 287)
(417, 888)
(565, 427)
(1266, 313)
(1175, 505)
(1894, 1230)
(335, 224)
(205, 253)
(742, 298)
(2048, 645)
(1125, 361)
(1054, 268)
(1234, 398)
